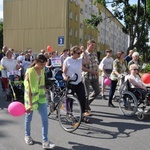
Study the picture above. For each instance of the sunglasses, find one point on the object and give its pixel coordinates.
(108, 51)
(135, 69)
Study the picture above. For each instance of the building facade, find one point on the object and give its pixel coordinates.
(35, 24)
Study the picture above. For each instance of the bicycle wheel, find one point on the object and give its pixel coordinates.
(52, 106)
(69, 113)
(128, 104)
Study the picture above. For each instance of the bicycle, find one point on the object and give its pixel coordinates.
(63, 105)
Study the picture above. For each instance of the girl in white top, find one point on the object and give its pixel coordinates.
(73, 65)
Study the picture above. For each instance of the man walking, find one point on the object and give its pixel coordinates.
(91, 75)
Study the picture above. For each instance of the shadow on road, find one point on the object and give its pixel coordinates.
(112, 129)
(79, 146)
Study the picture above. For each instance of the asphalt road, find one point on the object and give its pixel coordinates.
(108, 130)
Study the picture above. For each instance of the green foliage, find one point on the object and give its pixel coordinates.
(146, 69)
(136, 19)
(1, 33)
(101, 2)
(93, 22)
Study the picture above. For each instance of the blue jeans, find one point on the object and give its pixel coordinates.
(42, 108)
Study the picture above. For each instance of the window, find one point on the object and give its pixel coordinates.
(81, 25)
(81, 11)
(70, 45)
(76, 17)
(70, 31)
(75, 33)
(77, 2)
(80, 41)
(90, 10)
(70, 14)
(86, 8)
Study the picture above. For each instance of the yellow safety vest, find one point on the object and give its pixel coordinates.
(37, 89)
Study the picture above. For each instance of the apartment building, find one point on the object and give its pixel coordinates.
(36, 24)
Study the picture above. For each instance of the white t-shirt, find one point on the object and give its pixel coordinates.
(73, 66)
(10, 64)
(106, 63)
(136, 78)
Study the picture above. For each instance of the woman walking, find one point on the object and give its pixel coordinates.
(119, 66)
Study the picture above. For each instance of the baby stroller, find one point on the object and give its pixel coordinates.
(15, 86)
(54, 74)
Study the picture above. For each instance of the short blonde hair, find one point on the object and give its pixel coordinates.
(133, 66)
(135, 54)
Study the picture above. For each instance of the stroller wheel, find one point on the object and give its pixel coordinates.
(140, 115)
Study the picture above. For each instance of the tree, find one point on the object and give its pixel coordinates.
(1, 33)
(136, 19)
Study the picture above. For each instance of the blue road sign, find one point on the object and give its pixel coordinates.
(61, 41)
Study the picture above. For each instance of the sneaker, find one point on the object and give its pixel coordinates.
(104, 97)
(28, 140)
(48, 145)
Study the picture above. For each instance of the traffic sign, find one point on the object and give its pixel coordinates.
(61, 41)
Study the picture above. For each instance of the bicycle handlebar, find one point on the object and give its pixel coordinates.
(74, 80)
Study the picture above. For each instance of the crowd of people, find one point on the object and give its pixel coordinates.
(83, 62)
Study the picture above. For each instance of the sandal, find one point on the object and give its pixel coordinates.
(87, 113)
(85, 119)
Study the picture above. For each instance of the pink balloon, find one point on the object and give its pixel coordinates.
(16, 109)
(107, 81)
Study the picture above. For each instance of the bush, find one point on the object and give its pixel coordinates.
(146, 69)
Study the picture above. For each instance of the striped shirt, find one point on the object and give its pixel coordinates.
(93, 65)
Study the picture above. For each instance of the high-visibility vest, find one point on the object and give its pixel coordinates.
(37, 89)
